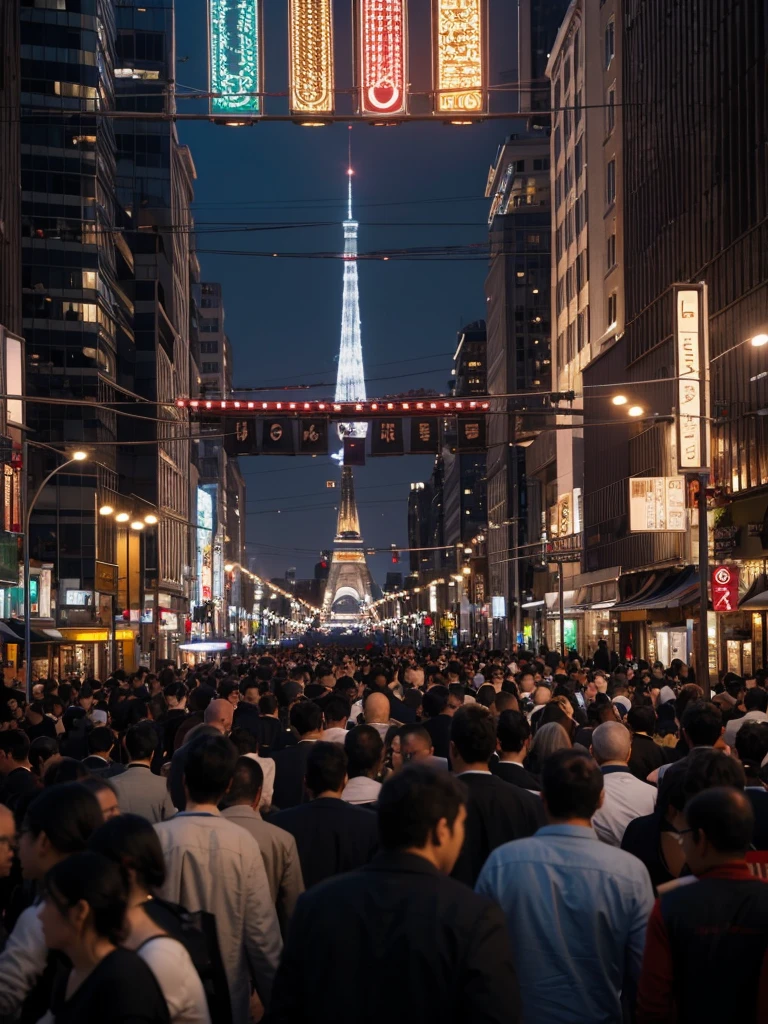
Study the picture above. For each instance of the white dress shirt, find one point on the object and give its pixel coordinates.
(626, 798)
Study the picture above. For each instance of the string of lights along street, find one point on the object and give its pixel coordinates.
(380, 60)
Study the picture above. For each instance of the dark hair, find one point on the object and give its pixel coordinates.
(97, 784)
(414, 729)
(86, 690)
(702, 722)
(641, 718)
(363, 746)
(246, 782)
(686, 695)
(473, 733)
(326, 767)
(65, 770)
(141, 741)
(267, 704)
(572, 784)
(756, 699)
(435, 700)
(337, 708)
(209, 767)
(200, 698)
(344, 684)
(97, 880)
(725, 816)
(40, 750)
(177, 690)
(16, 743)
(413, 801)
(306, 716)
(227, 687)
(249, 683)
(244, 741)
(707, 769)
(512, 730)
(752, 746)
(132, 842)
(486, 695)
(505, 701)
(100, 740)
(68, 814)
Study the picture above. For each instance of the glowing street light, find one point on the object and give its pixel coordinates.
(122, 517)
(137, 525)
(635, 411)
(759, 340)
(619, 400)
(106, 510)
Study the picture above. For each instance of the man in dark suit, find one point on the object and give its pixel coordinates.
(380, 677)
(513, 738)
(100, 744)
(258, 714)
(435, 705)
(646, 755)
(496, 811)
(17, 781)
(455, 961)
(331, 835)
(290, 763)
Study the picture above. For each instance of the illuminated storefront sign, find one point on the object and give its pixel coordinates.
(691, 347)
(458, 26)
(234, 56)
(204, 545)
(381, 56)
(311, 43)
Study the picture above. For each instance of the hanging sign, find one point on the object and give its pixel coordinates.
(234, 50)
(459, 44)
(311, 56)
(725, 588)
(692, 372)
(381, 57)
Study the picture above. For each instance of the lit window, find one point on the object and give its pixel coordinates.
(610, 42)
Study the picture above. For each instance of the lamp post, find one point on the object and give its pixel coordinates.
(77, 456)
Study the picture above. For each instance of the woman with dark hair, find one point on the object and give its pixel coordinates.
(131, 842)
(43, 752)
(83, 916)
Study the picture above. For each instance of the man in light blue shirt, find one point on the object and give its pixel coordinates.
(576, 908)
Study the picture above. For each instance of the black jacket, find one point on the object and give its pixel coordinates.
(497, 812)
(104, 770)
(331, 836)
(290, 766)
(646, 756)
(267, 731)
(405, 944)
(439, 728)
(517, 775)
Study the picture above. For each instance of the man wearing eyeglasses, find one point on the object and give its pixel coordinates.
(7, 841)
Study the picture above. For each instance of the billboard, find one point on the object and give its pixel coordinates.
(657, 504)
(204, 545)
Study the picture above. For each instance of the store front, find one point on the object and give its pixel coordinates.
(83, 652)
(655, 624)
(573, 621)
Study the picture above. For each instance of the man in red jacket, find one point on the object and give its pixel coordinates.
(705, 950)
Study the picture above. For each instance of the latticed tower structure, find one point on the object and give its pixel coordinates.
(350, 584)
(350, 379)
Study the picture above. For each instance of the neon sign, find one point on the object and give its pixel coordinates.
(311, 42)
(459, 56)
(382, 57)
(234, 56)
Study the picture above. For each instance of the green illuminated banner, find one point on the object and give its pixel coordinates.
(235, 56)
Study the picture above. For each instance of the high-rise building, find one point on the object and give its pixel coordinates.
(75, 315)
(537, 25)
(419, 505)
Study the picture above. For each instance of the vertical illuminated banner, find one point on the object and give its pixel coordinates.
(234, 49)
(459, 31)
(381, 31)
(311, 45)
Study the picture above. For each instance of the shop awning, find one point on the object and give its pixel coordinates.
(756, 598)
(7, 635)
(37, 636)
(552, 600)
(667, 591)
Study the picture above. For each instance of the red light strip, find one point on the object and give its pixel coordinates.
(382, 57)
(343, 408)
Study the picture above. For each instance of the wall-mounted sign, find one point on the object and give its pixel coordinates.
(692, 371)
(657, 504)
(725, 588)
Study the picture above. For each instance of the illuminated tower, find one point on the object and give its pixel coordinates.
(350, 586)
(350, 381)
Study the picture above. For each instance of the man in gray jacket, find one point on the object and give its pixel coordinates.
(214, 865)
(138, 790)
(278, 847)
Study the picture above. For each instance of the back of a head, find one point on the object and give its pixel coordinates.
(512, 730)
(41, 749)
(752, 745)
(208, 768)
(415, 734)
(132, 842)
(412, 802)
(376, 708)
(548, 740)
(141, 741)
(200, 698)
(726, 818)
(337, 709)
(642, 718)
(97, 880)
(435, 700)
(687, 695)
(68, 814)
(756, 699)
(473, 733)
(218, 710)
(571, 785)
(267, 704)
(363, 746)
(16, 743)
(246, 782)
(611, 741)
(326, 768)
(706, 768)
(505, 701)
(486, 695)
(306, 717)
(702, 723)
(100, 740)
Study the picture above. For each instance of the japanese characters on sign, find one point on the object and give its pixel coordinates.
(387, 437)
(458, 26)
(381, 62)
(311, 56)
(313, 437)
(235, 56)
(657, 504)
(692, 364)
(725, 588)
(471, 434)
(277, 437)
(425, 434)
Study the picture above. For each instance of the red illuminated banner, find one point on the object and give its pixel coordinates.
(725, 588)
(381, 28)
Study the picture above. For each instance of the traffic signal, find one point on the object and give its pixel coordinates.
(395, 554)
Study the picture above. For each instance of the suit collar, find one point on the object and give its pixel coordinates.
(396, 860)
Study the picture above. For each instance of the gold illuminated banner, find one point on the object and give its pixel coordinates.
(311, 56)
(459, 31)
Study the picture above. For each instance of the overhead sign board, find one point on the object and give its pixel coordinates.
(234, 45)
(657, 504)
(692, 372)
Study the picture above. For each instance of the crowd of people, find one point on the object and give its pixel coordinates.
(386, 834)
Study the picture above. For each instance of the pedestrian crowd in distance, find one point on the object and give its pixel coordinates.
(386, 834)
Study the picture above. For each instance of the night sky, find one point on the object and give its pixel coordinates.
(415, 185)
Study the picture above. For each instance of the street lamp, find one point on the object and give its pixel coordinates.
(76, 456)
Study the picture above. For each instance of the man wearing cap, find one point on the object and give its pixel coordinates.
(626, 797)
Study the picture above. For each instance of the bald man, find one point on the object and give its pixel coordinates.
(7, 841)
(376, 712)
(219, 714)
(626, 797)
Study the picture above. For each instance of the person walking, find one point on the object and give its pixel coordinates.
(138, 790)
(364, 748)
(214, 865)
(625, 797)
(576, 908)
(401, 913)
